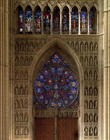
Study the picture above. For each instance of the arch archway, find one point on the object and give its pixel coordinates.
(68, 55)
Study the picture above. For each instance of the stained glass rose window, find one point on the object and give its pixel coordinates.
(56, 86)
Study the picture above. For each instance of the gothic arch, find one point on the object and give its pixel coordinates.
(62, 47)
(69, 52)
(68, 6)
(57, 5)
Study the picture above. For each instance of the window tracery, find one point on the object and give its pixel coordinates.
(56, 86)
(74, 20)
(20, 22)
(28, 20)
(65, 21)
(46, 19)
(84, 20)
(57, 21)
(92, 20)
(37, 20)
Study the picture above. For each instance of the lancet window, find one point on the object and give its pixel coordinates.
(46, 19)
(20, 20)
(83, 20)
(65, 20)
(57, 21)
(93, 20)
(74, 20)
(37, 20)
(28, 20)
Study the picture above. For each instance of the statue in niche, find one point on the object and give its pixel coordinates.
(65, 22)
(74, 18)
(38, 22)
(28, 20)
(47, 17)
(56, 22)
(83, 21)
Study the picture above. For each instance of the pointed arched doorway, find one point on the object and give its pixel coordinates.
(56, 97)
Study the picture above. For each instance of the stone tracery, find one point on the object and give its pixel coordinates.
(70, 20)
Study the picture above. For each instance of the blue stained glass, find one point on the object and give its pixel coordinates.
(56, 20)
(20, 20)
(83, 21)
(28, 20)
(74, 20)
(65, 20)
(46, 19)
(92, 20)
(56, 86)
(37, 18)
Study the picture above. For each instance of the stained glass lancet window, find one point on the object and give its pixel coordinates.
(37, 19)
(93, 20)
(56, 86)
(20, 19)
(74, 20)
(28, 20)
(56, 20)
(46, 18)
(65, 20)
(84, 20)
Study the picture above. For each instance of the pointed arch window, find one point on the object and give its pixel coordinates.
(74, 20)
(46, 19)
(65, 20)
(20, 20)
(56, 20)
(37, 20)
(28, 20)
(93, 20)
(84, 20)
(56, 86)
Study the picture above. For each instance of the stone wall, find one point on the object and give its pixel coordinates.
(17, 57)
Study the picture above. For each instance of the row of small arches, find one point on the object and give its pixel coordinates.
(21, 116)
(21, 75)
(90, 117)
(56, 21)
(21, 90)
(84, 46)
(23, 60)
(21, 130)
(90, 75)
(89, 60)
(91, 91)
(90, 104)
(24, 46)
(91, 131)
(21, 103)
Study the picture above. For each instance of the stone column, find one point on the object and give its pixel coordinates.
(4, 69)
(51, 23)
(70, 22)
(88, 31)
(33, 23)
(97, 26)
(42, 23)
(106, 92)
(60, 22)
(79, 22)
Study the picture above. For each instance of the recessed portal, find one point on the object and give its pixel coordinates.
(56, 129)
(56, 100)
